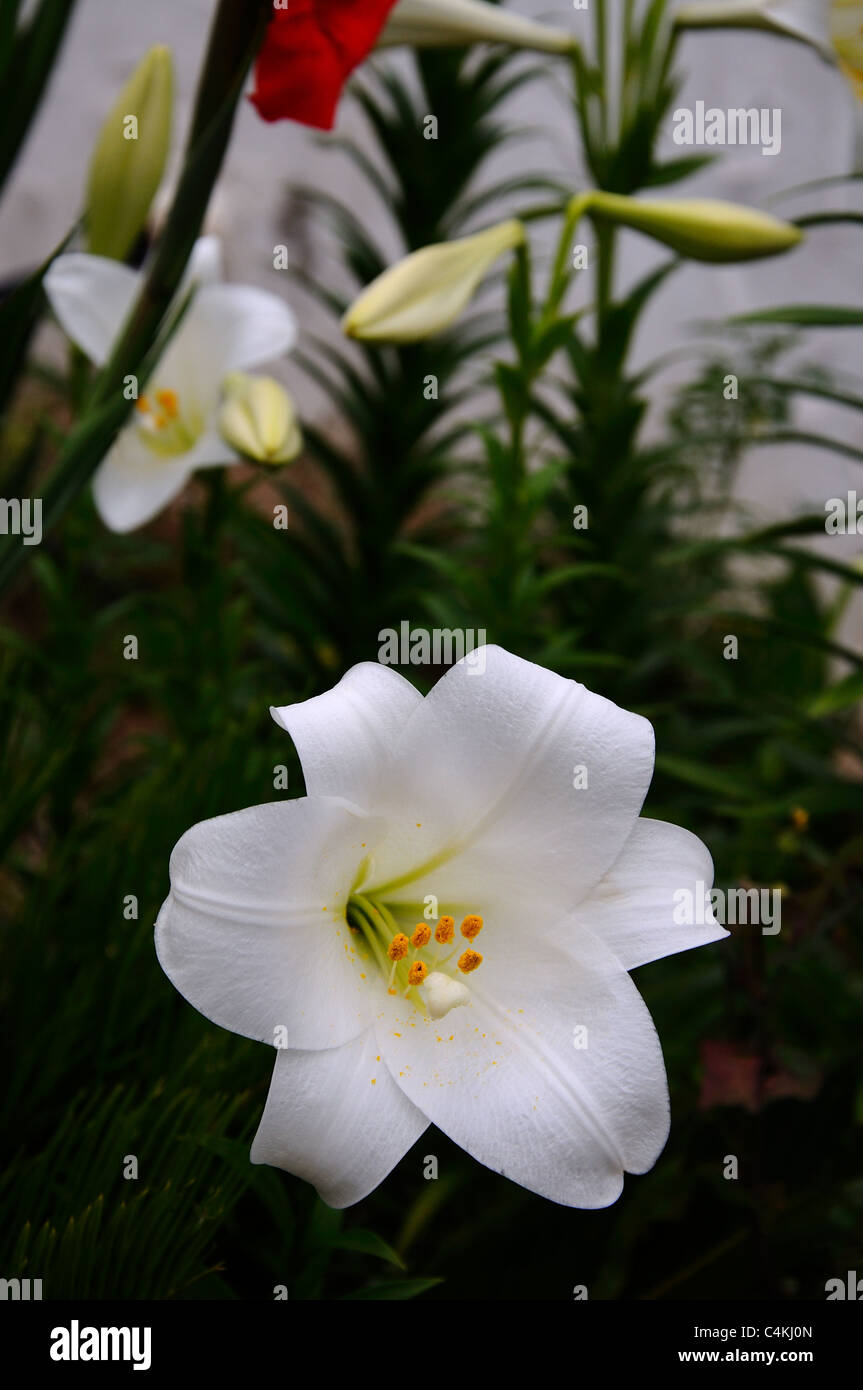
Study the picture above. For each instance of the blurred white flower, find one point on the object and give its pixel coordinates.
(175, 426)
(508, 800)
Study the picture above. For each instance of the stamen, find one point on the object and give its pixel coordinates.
(398, 947)
(471, 927)
(143, 405)
(444, 931)
(421, 936)
(468, 961)
(170, 402)
(417, 972)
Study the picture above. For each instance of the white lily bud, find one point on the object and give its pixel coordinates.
(258, 419)
(426, 291)
(129, 158)
(451, 23)
(704, 229)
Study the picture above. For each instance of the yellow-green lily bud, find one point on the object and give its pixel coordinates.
(259, 420)
(425, 293)
(704, 229)
(129, 159)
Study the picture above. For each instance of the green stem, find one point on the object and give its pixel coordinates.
(30, 60)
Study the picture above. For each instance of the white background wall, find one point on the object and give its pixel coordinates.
(107, 37)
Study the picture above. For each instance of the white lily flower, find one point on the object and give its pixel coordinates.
(443, 23)
(508, 797)
(175, 427)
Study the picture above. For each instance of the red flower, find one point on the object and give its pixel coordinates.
(309, 51)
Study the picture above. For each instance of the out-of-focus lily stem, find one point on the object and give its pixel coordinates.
(27, 59)
(236, 33)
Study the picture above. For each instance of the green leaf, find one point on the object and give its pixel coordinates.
(806, 316)
(366, 1243)
(846, 692)
(405, 1289)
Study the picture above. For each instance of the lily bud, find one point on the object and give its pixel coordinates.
(425, 293)
(704, 229)
(129, 159)
(805, 20)
(445, 23)
(259, 420)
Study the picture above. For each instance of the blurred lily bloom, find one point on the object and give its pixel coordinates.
(441, 931)
(425, 293)
(175, 425)
(311, 47)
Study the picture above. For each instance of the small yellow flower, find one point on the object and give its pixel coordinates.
(259, 420)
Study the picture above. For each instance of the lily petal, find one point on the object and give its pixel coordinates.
(92, 297)
(232, 327)
(253, 931)
(490, 796)
(632, 909)
(346, 737)
(132, 484)
(337, 1119)
(505, 1078)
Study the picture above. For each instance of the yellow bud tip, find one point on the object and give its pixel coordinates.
(417, 972)
(445, 930)
(471, 927)
(422, 935)
(398, 947)
(468, 961)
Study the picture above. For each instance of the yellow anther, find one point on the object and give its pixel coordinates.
(398, 947)
(143, 405)
(468, 961)
(422, 935)
(170, 403)
(800, 818)
(417, 972)
(471, 927)
(444, 931)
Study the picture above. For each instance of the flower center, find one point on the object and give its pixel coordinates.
(162, 425)
(423, 965)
